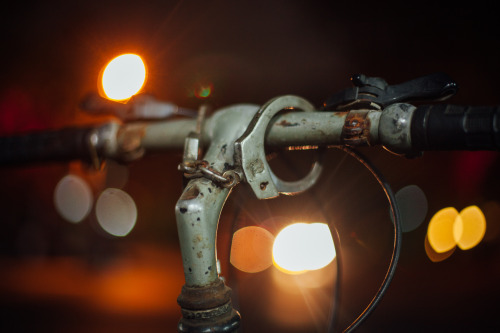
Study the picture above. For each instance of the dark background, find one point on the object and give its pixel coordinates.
(250, 51)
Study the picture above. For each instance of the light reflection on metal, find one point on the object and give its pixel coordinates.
(123, 77)
(302, 147)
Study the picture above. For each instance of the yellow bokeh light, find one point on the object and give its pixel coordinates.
(302, 247)
(123, 77)
(433, 255)
(251, 249)
(440, 230)
(470, 228)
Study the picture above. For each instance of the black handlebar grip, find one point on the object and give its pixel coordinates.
(453, 127)
(59, 145)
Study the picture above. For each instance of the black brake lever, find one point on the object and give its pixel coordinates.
(378, 94)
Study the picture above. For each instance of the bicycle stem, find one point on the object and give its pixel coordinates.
(201, 203)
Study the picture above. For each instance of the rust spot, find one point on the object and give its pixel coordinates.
(263, 185)
(356, 128)
(204, 297)
(285, 123)
(197, 239)
(199, 254)
(190, 193)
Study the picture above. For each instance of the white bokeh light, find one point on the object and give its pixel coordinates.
(303, 247)
(123, 77)
(73, 198)
(116, 212)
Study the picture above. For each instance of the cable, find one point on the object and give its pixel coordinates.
(397, 239)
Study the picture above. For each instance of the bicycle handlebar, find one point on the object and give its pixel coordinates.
(56, 145)
(452, 127)
(401, 128)
(236, 137)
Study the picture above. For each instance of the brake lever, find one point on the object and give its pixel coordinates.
(375, 93)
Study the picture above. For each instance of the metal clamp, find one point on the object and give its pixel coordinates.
(250, 154)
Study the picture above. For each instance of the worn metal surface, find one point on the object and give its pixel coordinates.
(199, 207)
(205, 300)
(300, 129)
(251, 154)
(207, 297)
(356, 129)
(394, 127)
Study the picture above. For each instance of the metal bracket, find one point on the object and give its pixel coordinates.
(250, 154)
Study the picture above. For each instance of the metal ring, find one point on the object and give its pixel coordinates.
(213, 175)
(232, 178)
(251, 155)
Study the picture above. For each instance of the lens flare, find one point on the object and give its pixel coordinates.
(251, 249)
(203, 91)
(116, 212)
(123, 77)
(470, 228)
(73, 198)
(302, 247)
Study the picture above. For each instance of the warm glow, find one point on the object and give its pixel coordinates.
(116, 212)
(251, 249)
(123, 77)
(469, 230)
(440, 230)
(301, 247)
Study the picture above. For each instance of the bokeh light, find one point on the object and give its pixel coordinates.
(440, 230)
(470, 228)
(123, 77)
(301, 247)
(435, 256)
(73, 198)
(116, 212)
(448, 229)
(412, 204)
(251, 249)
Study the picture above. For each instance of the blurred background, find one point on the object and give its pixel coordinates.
(60, 272)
